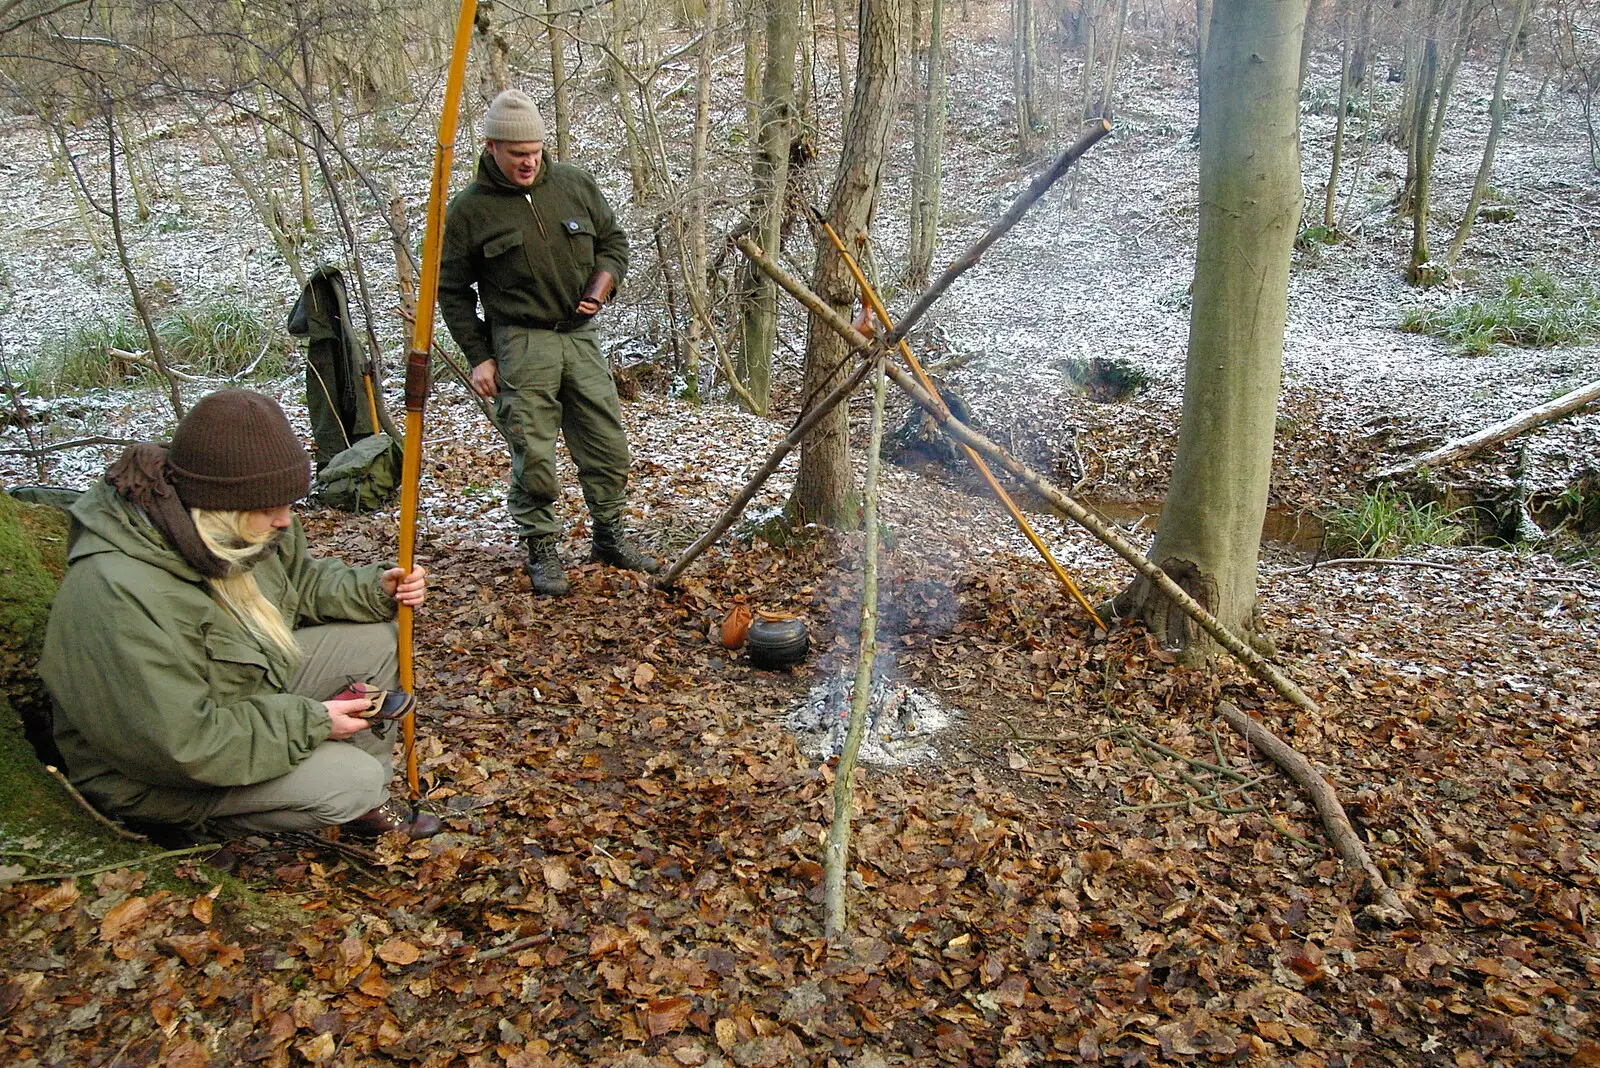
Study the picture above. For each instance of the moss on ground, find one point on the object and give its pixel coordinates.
(38, 817)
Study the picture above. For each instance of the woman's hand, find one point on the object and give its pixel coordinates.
(409, 590)
(343, 714)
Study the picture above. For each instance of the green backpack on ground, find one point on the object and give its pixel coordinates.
(362, 478)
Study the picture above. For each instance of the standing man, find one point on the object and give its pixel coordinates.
(534, 241)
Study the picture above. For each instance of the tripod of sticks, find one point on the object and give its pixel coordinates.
(872, 359)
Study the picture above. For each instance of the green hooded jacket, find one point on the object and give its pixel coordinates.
(529, 251)
(162, 698)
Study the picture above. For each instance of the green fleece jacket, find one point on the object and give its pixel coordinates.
(529, 251)
(162, 698)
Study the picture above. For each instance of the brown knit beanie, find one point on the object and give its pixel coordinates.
(513, 116)
(234, 451)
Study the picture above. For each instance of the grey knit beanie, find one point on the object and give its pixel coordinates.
(513, 116)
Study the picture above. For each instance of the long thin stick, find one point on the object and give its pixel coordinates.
(1057, 499)
(1326, 802)
(837, 858)
(99, 817)
(1019, 207)
(870, 295)
(114, 865)
(790, 442)
(417, 361)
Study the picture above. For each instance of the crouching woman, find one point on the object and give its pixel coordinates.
(195, 647)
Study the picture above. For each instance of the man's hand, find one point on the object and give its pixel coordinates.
(486, 379)
(588, 307)
(343, 714)
(409, 590)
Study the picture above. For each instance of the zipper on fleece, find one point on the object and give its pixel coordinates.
(536, 216)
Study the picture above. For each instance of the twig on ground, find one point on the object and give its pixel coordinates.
(132, 862)
(99, 817)
(1387, 906)
(1362, 561)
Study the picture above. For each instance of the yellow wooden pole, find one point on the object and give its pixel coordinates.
(870, 295)
(417, 359)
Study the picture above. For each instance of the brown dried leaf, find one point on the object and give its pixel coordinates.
(318, 1050)
(664, 1015)
(203, 905)
(399, 952)
(188, 1054)
(124, 919)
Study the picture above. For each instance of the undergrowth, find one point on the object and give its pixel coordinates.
(79, 357)
(1387, 523)
(1532, 310)
(1107, 380)
(219, 338)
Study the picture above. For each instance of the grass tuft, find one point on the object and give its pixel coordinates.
(1387, 523)
(219, 338)
(1533, 310)
(79, 357)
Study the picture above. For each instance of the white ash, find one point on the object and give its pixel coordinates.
(901, 721)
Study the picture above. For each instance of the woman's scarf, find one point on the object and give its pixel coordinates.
(140, 477)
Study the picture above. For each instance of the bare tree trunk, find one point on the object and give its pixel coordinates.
(1209, 537)
(495, 79)
(1415, 199)
(1306, 34)
(1202, 36)
(638, 165)
(1112, 60)
(841, 60)
(1338, 127)
(558, 80)
(694, 281)
(1497, 118)
(769, 178)
(1024, 64)
(823, 485)
(929, 151)
(308, 214)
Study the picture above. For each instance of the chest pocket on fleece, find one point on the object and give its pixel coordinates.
(504, 258)
(236, 667)
(580, 237)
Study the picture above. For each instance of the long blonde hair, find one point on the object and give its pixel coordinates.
(229, 537)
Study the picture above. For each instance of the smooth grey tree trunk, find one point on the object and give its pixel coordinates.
(768, 178)
(929, 150)
(1332, 191)
(1209, 536)
(558, 81)
(1497, 119)
(824, 484)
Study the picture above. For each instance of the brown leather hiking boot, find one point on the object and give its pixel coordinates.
(613, 546)
(544, 568)
(394, 816)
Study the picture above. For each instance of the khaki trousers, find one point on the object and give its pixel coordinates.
(554, 383)
(339, 780)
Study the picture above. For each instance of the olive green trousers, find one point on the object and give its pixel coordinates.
(554, 383)
(339, 780)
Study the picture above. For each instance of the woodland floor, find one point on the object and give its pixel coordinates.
(623, 791)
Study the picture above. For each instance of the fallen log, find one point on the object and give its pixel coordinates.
(1387, 906)
(1521, 423)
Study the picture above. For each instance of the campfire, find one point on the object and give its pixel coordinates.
(901, 720)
